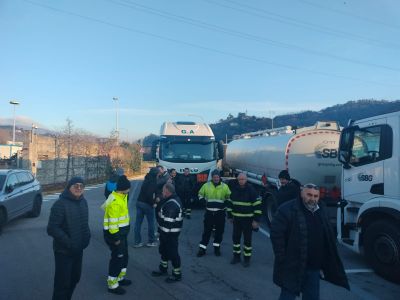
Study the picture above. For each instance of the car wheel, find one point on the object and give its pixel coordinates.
(3, 218)
(36, 208)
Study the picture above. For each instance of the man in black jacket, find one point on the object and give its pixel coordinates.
(304, 244)
(68, 225)
(169, 220)
(185, 188)
(145, 207)
(244, 211)
(289, 189)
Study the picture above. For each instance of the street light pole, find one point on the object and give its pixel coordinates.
(116, 118)
(14, 103)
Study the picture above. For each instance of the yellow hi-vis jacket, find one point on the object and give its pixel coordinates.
(116, 215)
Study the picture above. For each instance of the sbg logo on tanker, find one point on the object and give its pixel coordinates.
(323, 151)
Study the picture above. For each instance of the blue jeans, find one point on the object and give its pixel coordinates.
(142, 210)
(309, 288)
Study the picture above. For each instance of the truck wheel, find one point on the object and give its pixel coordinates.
(271, 207)
(36, 208)
(3, 218)
(382, 249)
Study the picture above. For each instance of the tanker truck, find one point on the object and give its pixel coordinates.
(309, 154)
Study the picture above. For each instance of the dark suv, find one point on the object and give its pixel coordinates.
(20, 194)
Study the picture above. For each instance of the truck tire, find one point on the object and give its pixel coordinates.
(3, 218)
(382, 249)
(270, 207)
(36, 207)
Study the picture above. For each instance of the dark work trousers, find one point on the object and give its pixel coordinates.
(242, 225)
(168, 250)
(67, 274)
(119, 256)
(213, 219)
(187, 205)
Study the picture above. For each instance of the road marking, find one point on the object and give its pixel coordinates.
(264, 232)
(352, 271)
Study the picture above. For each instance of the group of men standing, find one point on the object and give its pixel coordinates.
(302, 238)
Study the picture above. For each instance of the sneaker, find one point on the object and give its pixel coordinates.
(152, 244)
(201, 252)
(139, 245)
(235, 260)
(117, 291)
(172, 279)
(217, 251)
(125, 282)
(159, 273)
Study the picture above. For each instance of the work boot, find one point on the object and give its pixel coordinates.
(246, 262)
(117, 291)
(125, 282)
(159, 273)
(173, 278)
(235, 259)
(201, 252)
(217, 251)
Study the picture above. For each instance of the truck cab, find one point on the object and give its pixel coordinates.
(368, 218)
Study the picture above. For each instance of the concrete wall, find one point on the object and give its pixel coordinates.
(55, 170)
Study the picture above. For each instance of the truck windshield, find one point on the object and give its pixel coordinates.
(187, 152)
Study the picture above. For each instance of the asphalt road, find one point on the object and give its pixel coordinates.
(27, 264)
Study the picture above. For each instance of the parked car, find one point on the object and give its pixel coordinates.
(20, 194)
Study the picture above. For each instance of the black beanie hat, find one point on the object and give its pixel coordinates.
(284, 174)
(75, 180)
(123, 183)
(216, 172)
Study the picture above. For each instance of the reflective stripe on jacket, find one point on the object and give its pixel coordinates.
(244, 203)
(217, 197)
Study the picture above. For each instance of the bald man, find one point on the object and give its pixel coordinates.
(244, 211)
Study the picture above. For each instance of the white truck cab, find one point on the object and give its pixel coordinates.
(368, 219)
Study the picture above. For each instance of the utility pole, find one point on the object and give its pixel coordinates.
(14, 103)
(116, 118)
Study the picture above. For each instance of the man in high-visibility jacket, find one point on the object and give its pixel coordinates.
(244, 211)
(216, 194)
(116, 229)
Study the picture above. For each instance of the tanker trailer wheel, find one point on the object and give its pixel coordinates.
(271, 206)
(382, 249)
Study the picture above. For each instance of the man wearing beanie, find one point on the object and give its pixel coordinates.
(116, 229)
(69, 227)
(289, 189)
(216, 194)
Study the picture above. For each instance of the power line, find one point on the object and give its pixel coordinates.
(189, 44)
(260, 39)
(264, 14)
(338, 11)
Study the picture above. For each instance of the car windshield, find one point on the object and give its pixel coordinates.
(2, 179)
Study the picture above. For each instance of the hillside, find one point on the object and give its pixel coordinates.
(340, 112)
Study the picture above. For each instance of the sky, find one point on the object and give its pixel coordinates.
(191, 59)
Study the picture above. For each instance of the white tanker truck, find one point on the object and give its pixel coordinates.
(309, 154)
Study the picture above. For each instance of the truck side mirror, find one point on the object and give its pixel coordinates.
(220, 148)
(344, 158)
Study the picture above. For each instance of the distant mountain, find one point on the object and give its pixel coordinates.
(225, 129)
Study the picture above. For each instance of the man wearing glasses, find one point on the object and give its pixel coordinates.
(304, 245)
(68, 225)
